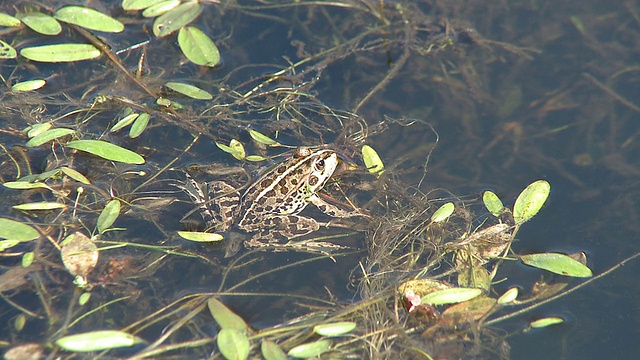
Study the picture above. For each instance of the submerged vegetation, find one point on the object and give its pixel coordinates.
(104, 109)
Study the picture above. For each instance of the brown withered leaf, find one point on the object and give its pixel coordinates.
(29, 351)
(16, 276)
(484, 245)
(79, 254)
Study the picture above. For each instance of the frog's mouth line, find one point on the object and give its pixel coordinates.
(345, 166)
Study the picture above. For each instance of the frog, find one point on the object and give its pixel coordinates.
(270, 207)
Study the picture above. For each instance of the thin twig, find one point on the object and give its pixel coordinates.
(611, 92)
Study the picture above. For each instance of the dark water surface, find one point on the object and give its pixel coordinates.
(516, 92)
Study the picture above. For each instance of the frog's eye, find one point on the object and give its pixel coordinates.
(320, 164)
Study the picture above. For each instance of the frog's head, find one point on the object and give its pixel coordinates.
(323, 164)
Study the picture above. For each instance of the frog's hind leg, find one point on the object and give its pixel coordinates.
(279, 229)
(223, 199)
(216, 201)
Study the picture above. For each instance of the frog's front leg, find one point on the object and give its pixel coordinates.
(333, 210)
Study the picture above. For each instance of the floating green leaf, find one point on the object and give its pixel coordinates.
(137, 4)
(262, 139)
(226, 318)
(15, 230)
(255, 158)
(108, 215)
(176, 18)
(8, 20)
(41, 177)
(189, 90)
(27, 259)
(372, 160)
(19, 323)
(75, 175)
(235, 148)
(334, 329)
(89, 18)
(443, 212)
(37, 129)
(107, 151)
(544, 322)
(451, 296)
(97, 340)
(198, 47)
(271, 351)
(124, 122)
(49, 135)
(200, 236)
(577, 22)
(6, 244)
(163, 102)
(42, 205)
(530, 201)
(160, 8)
(310, 350)
(7, 51)
(41, 23)
(84, 298)
(233, 344)
(509, 296)
(25, 185)
(558, 264)
(139, 125)
(493, 203)
(29, 85)
(60, 53)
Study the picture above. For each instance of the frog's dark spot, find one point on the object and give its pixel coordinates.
(313, 180)
(227, 203)
(281, 169)
(270, 193)
(276, 221)
(294, 181)
(284, 190)
(268, 208)
(322, 208)
(293, 219)
(265, 183)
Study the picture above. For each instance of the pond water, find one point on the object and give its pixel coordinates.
(456, 98)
